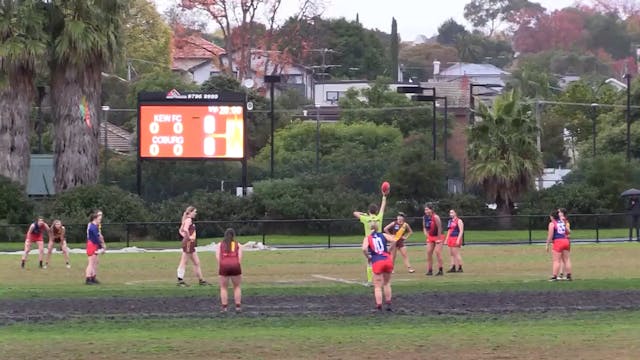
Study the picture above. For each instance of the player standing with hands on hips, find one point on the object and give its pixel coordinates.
(376, 214)
(401, 231)
(432, 229)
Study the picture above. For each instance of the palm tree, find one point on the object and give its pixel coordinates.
(86, 36)
(22, 44)
(503, 154)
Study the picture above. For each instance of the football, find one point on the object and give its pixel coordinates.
(385, 188)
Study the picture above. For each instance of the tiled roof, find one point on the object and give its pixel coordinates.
(195, 47)
(118, 139)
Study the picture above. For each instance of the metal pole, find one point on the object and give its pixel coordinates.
(105, 110)
(628, 116)
(593, 127)
(272, 125)
(471, 104)
(317, 139)
(434, 129)
(446, 127)
(139, 176)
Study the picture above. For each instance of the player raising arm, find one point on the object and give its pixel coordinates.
(375, 248)
(375, 214)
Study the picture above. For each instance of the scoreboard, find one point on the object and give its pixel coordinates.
(180, 127)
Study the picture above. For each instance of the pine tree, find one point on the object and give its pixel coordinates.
(394, 50)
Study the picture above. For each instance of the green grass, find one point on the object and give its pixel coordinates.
(472, 236)
(586, 335)
(488, 268)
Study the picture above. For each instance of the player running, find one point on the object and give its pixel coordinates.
(187, 232)
(454, 241)
(95, 246)
(57, 236)
(375, 249)
(35, 233)
(557, 234)
(375, 214)
(229, 256)
(401, 231)
(432, 229)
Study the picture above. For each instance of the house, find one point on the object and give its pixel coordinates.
(475, 73)
(328, 93)
(196, 58)
(551, 177)
(117, 139)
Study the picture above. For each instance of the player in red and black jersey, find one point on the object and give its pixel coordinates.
(401, 231)
(455, 236)
(187, 232)
(229, 256)
(95, 247)
(432, 229)
(57, 235)
(35, 233)
(375, 248)
(558, 235)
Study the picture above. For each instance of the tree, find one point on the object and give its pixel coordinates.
(502, 151)
(491, 13)
(393, 68)
(608, 32)
(22, 46)
(86, 36)
(371, 105)
(477, 48)
(449, 32)
(417, 60)
(147, 39)
(238, 20)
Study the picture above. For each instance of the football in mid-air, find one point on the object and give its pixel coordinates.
(385, 188)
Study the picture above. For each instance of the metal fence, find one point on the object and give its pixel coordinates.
(328, 233)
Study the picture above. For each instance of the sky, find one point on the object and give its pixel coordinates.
(414, 17)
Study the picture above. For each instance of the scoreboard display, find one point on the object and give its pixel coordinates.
(191, 129)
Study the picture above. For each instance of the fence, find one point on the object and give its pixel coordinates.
(328, 233)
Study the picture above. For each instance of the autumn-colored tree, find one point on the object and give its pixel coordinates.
(238, 20)
(562, 29)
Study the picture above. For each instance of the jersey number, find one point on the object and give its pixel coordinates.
(561, 228)
(378, 245)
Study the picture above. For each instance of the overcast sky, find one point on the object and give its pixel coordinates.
(414, 17)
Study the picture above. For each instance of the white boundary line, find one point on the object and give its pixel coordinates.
(340, 280)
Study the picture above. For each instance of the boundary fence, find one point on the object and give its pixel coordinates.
(329, 233)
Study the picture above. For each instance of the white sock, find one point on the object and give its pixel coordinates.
(180, 273)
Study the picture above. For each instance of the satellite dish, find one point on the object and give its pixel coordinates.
(249, 105)
(248, 83)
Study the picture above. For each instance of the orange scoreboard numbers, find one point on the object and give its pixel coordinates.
(185, 131)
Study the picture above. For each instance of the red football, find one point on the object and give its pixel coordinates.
(385, 188)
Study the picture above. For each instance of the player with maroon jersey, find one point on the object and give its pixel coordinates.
(57, 235)
(35, 233)
(187, 233)
(229, 256)
(401, 230)
(375, 248)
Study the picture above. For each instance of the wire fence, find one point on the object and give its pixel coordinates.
(330, 233)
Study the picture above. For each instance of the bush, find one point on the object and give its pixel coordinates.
(73, 207)
(15, 208)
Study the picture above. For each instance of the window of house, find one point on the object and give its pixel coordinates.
(333, 96)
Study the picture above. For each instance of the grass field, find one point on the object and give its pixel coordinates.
(606, 335)
(583, 335)
(472, 236)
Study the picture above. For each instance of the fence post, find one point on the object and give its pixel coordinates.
(126, 233)
(329, 235)
(264, 236)
(530, 230)
(597, 229)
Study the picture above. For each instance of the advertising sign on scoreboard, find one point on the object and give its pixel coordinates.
(191, 126)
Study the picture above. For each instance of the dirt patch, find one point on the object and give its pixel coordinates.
(334, 305)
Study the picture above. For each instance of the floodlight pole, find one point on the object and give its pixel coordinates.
(272, 80)
(105, 111)
(628, 116)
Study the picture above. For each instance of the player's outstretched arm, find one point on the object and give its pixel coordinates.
(357, 214)
(383, 205)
